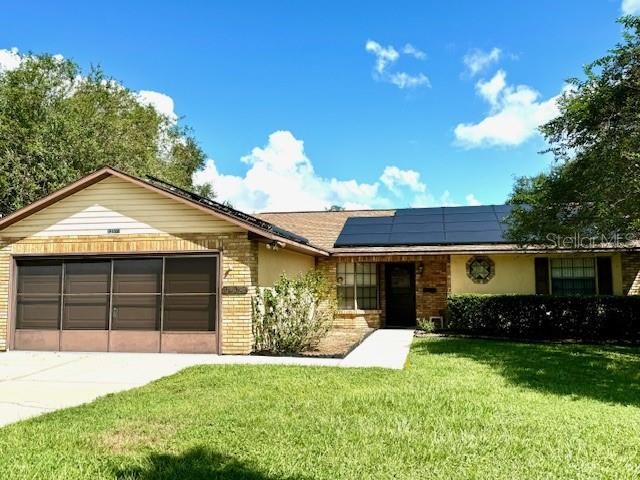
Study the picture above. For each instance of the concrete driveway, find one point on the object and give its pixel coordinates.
(32, 383)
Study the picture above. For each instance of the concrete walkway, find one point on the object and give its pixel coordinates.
(383, 348)
(32, 383)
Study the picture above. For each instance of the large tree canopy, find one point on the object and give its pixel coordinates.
(593, 188)
(57, 125)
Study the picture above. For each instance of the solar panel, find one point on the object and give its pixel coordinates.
(417, 227)
(422, 238)
(468, 209)
(419, 211)
(484, 236)
(427, 226)
(364, 228)
(470, 217)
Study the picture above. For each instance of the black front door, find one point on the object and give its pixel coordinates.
(400, 281)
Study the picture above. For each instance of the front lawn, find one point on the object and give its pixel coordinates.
(461, 409)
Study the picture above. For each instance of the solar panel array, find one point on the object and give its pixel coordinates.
(427, 226)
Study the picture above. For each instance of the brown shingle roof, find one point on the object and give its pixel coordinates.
(320, 228)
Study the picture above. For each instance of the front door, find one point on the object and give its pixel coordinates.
(400, 281)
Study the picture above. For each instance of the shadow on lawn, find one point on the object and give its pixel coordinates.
(196, 463)
(605, 373)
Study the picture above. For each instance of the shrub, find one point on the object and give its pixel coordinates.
(546, 317)
(426, 325)
(293, 315)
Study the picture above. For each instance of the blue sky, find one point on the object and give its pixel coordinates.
(370, 104)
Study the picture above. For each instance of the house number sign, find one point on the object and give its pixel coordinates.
(235, 290)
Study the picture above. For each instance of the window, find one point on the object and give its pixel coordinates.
(357, 286)
(367, 286)
(38, 295)
(573, 276)
(190, 293)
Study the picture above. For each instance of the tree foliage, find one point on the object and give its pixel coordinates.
(57, 125)
(594, 186)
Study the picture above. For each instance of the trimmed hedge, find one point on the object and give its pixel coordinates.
(588, 318)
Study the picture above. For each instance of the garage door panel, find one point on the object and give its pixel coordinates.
(90, 312)
(120, 304)
(134, 341)
(189, 312)
(45, 340)
(38, 312)
(188, 342)
(84, 341)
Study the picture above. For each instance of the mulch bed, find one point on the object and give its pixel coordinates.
(338, 343)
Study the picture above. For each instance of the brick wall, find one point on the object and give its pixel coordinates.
(436, 274)
(631, 273)
(239, 268)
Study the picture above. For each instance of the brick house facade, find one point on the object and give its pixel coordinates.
(109, 218)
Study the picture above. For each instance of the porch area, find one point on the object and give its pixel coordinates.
(388, 291)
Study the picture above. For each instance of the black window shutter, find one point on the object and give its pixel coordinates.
(542, 276)
(605, 277)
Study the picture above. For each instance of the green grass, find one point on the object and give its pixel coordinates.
(461, 409)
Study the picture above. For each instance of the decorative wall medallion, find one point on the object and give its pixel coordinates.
(480, 269)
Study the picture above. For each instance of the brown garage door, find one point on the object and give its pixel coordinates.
(119, 304)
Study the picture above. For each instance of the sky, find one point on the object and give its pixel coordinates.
(302, 105)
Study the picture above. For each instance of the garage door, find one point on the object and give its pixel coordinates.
(119, 304)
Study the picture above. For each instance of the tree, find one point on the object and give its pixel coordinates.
(593, 188)
(335, 208)
(57, 125)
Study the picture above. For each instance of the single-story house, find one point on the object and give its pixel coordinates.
(113, 262)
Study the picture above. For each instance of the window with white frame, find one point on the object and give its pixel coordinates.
(573, 276)
(357, 286)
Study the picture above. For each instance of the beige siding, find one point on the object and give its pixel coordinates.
(271, 264)
(116, 203)
(514, 274)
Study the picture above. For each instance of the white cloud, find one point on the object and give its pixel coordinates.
(630, 7)
(163, 104)
(404, 80)
(409, 49)
(477, 60)
(393, 178)
(516, 113)
(280, 177)
(384, 56)
(490, 90)
(387, 57)
(426, 200)
(10, 59)
(472, 200)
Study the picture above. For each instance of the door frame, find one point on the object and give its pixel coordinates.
(411, 267)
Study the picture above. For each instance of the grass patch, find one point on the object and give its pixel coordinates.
(462, 409)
